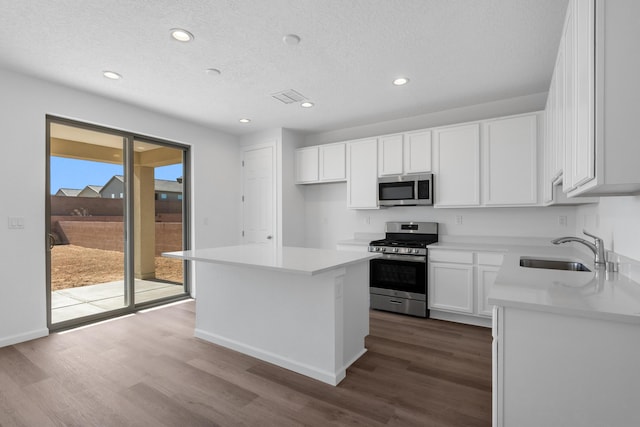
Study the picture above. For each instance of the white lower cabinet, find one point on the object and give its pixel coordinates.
(459, 283)
(486, 276)
(555, 369)
(451, 287)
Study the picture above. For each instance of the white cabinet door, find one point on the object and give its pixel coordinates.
(390, 155)
(547, 186)
(486, 277)
(457, 166)
(510, 161)
(362, 174)
(306, 165)
(583, 162)
(451, 287)
(569, 101)
(559, 122)
(332, 162)
(417, 152)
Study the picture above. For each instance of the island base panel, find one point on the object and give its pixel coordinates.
(311, 324)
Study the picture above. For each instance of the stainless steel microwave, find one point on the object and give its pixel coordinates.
(405, 190)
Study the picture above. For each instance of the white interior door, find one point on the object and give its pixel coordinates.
(258, 195)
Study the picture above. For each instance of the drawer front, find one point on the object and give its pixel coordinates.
(458, 257)
(399, 305)
(489, 258)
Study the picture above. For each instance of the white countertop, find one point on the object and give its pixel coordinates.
(595, 294)
(307, 261)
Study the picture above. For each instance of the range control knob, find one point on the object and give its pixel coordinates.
(415, 251)
(384, 249)
(395, 249)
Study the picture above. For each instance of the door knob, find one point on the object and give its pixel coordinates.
(269, 237)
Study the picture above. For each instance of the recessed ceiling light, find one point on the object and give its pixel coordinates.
(307, 104)
(291, 39)
(401, 81)
(213, 71)
(244, 120)
(181, 35)
(111, 75)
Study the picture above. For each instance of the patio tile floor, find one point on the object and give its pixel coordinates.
(93, 299)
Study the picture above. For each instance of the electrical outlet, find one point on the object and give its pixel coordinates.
(459, 219)
(562, 220)
(15, 222)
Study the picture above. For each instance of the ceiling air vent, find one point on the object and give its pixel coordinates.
(288, 96)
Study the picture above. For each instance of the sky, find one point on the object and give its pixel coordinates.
(72, 173)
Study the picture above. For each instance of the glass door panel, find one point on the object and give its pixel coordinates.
(86, 221)
(158, 206)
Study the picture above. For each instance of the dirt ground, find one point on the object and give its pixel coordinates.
(74, 266)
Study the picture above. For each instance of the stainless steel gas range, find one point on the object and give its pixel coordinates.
(398, 280)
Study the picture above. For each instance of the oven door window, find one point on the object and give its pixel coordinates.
(406, 276)
(396, 190)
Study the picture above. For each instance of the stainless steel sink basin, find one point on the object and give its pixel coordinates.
(552, 264)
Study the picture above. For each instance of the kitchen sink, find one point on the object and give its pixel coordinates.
(552, 264)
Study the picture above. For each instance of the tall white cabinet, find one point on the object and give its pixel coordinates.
(510, 164)
(362, 174)
(457, 165)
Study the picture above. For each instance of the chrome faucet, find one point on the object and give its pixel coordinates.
(597, 246)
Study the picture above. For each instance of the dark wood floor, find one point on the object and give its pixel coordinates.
(148, 370)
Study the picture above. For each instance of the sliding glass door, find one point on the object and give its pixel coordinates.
(115, 202)
(158, 175)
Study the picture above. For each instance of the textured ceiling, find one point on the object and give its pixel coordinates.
(456, 53)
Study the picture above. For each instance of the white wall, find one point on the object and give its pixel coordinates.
(617, 221)
(23, 106)
(293, 203)
(328, 220)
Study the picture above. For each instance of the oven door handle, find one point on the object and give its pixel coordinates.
(409, 258)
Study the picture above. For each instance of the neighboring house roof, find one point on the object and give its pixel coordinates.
(91, 191)
(166, 186)
(119, 178)
(69, 192)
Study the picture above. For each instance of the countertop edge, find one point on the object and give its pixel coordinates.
(314, 272)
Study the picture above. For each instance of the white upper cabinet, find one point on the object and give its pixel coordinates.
(390, 155)
(417, 152)
(307, 165)
(601, 97)
(321, 163)
(333, 162)
(404, 153)
(510, 161)
(362, 174)
(457, 165)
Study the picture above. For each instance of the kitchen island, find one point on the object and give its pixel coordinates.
(306, 310)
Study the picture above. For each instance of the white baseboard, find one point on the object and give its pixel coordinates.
(460, 318)
(27, 336)
(332, 378)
